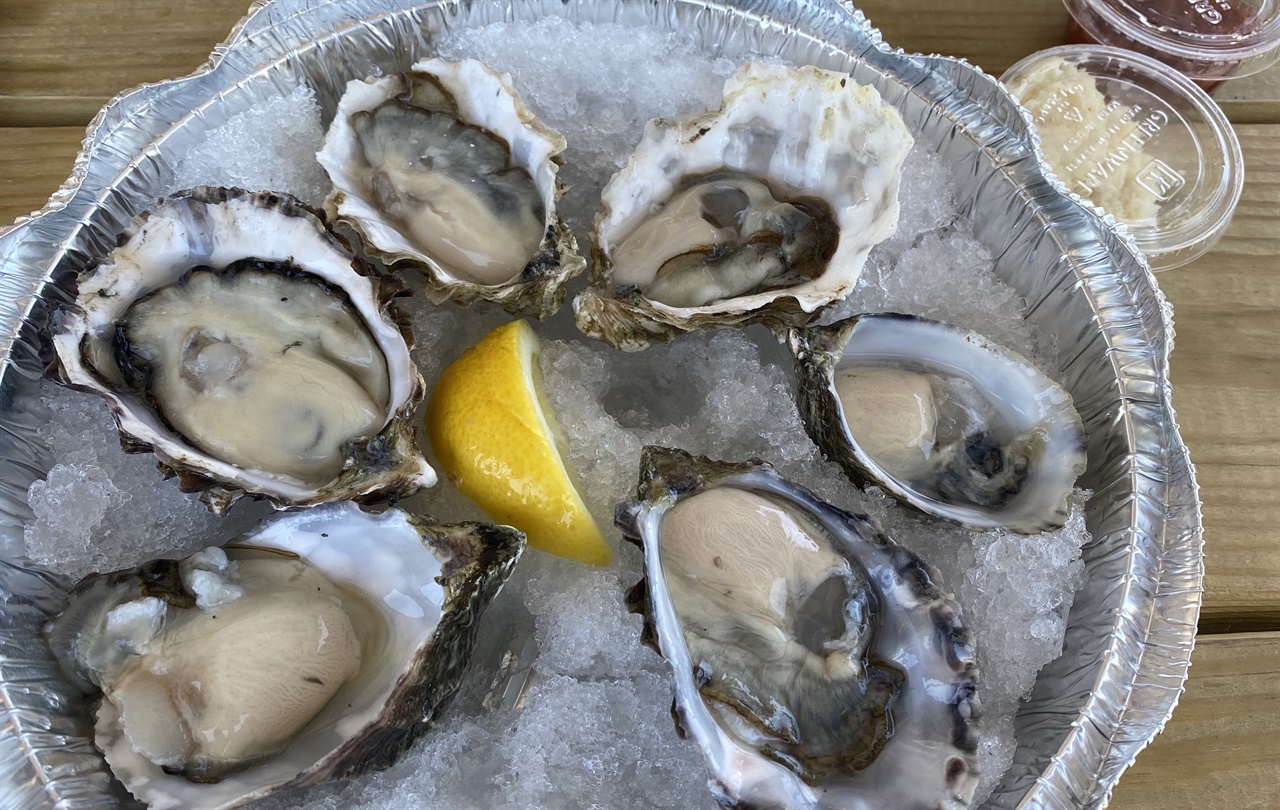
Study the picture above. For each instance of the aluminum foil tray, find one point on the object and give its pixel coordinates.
(1132, 627)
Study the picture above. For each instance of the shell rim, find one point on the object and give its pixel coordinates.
(221, 483)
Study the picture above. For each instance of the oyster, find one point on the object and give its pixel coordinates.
(816, 663)
(942, 419)
(316, 647)
(444, 169)
(761, 211)
(236, 336)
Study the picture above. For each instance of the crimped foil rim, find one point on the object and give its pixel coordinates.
(1059, 785)
(1119, 756)
(1151, 639)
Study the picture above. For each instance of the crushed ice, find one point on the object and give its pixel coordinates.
(586, 722)
(280, 137)
(100, 509)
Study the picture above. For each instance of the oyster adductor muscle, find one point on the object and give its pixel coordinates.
(318, 646)
(236, 336)
(817, 664)
(762, 211)
(941, 418)
(444, 169)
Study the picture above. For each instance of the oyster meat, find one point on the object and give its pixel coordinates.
(761, 211)
(316, 647)
(816, 663)
(444, 169)
(942, 419)
(237, 337)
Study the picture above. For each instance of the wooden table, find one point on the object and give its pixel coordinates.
(60, 61)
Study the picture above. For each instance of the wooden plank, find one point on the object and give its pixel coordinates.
(34, 162)
(1251, 112)
(1260, 87)
(60, 62)
(1225, 370)
(992, 34)
(1222, 747)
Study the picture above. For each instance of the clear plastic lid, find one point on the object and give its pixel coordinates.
(1203, 39)
(1137, 139)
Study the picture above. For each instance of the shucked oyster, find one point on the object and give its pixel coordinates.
(237, 337)
(942, 419)
(761, 211)
(816, 663)
(446, 170)
(317, 647)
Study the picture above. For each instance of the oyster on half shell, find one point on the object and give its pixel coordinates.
(816, 663)
(761, 211)
(318, 646)
(445, 170)
(237, 337)
(942, 419)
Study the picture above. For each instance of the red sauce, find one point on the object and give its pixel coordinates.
(1192, 18)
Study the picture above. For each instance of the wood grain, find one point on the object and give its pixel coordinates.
(1222, 747)
(992, 34)
(34, 162)
(1225, 370)
(60, 62)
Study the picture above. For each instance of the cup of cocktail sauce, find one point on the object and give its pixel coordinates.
(1206, 40)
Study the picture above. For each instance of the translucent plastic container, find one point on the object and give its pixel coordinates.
(1206, 40)
(1137, 139)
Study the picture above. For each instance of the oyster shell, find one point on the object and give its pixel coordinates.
(444, 169)
(319, 646)
(816, 663)
(761, 211)
(942, 419)
(237, 337)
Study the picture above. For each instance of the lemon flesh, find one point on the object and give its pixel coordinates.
(499, 444)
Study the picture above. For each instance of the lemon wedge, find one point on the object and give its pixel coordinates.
(498, 442)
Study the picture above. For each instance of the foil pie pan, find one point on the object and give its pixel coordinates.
(1132, 627)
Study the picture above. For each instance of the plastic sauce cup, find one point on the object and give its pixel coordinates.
(1206, 40)
(1137, 139)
